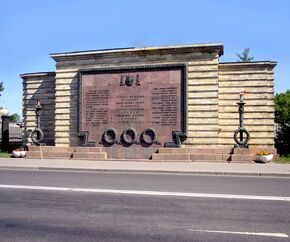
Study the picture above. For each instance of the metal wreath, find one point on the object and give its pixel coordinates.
(124, 138)
(113, 139)
(153, 140)
(36, 136)
(238, 131)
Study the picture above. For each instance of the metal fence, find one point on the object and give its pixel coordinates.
(15, 136)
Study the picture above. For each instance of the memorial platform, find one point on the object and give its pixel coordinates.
(224, 155)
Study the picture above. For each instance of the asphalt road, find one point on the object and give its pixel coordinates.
(50, 215)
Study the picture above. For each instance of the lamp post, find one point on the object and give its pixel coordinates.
(241, 143)
(37, 133)
(38, 111)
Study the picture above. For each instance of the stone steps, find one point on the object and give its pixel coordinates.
(228, 155)
(89, 153)
(56, 155)
(213, 157)
(195, 150)
(51, 149)
(33, 154)
(52, 152)
(193, 154)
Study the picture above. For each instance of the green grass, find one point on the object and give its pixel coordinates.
(5, 154)
(283, 159)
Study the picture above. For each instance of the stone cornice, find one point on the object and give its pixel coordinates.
(218, 47)
(252, 63)
(37, 74)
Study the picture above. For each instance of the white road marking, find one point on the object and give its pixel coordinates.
(183, 194)
(280, 235)
(147, 193)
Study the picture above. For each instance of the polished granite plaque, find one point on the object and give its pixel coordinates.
(132, 107)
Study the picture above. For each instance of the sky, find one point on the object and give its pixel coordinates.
(32, 29)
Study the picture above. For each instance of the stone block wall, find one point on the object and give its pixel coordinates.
(39, 86)
(256, 81)
(203, 102)
(202, 62)
(212, 93)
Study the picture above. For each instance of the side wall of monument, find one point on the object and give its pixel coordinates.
(39, 87)
(203, 69)
(203, 102)
(256, 81)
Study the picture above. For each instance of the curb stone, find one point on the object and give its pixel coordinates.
(217, 173)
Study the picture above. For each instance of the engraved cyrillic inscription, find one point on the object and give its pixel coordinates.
(149, 98)
(164, 106)
(96, 106)
(129, 108)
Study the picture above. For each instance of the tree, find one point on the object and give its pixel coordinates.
(282, 119)
(14, 117)
(1, 90)
(1, 87)
(244, 57)
(282, 107)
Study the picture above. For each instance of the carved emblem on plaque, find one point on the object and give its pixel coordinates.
(137, 82)
(122, 81)
(130, 80)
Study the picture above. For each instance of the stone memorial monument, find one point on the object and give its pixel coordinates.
(169, 102)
